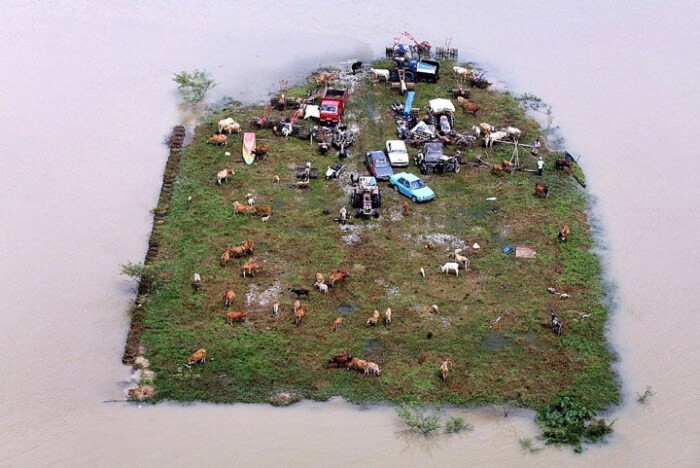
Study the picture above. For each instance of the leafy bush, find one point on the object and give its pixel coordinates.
(194, 85)
(569, 422)
(418, 417)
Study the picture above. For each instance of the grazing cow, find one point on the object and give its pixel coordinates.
(461, 71)
(336, 324)
(557, 325)
(404, 206)
(241, 208)
(564, 233)
(300, 292)
(380, 73)
(541, 190)
(221, 176)
(249, 246)
(468, 106)
(199, 356)
(226, 122)
(239, 317)
(450, 267)
(497, 169)
(507, 165)
(513, 132)
(219, 140)
(237, 251)
(445, 369)
(494, 137)
(225, 257)
(229, 296)
(250, 269)
(261, 151)
(373, 369)
(562, 163)
(485, 129)
(323, 287)
(338, 276)
(340, 360)
(299, 315)
(234, 127)
(275, 309)
(360, 365)
(356, 66)
(263, 210)
(387, 317)
(320, 278)
(374, 319)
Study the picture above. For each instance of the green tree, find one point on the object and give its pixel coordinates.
(194, 85)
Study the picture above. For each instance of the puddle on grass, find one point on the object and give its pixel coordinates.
(346, 309)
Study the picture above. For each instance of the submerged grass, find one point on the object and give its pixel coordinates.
(492, 321)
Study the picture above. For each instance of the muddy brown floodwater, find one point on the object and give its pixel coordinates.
(86, 101)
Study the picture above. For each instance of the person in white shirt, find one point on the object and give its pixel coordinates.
(540, 166)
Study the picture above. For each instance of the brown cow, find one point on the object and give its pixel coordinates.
(238, 251)
(468, 106)
(541, 190)
(199, 356)
(497, 169)
(374, 319)
(404, 206)
(299, 315)
(250, 269)
(241, 208)
(336, 324)
(249, 246)
(220, 140)
(507, 165)
(263, 210)
(229, 296)
(340, 360)
(239, 317)
(564, 233)
(338, 276)
(360, 365)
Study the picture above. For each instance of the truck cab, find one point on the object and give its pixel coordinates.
(332, 105)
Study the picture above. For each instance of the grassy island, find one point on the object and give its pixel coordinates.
(492, 321)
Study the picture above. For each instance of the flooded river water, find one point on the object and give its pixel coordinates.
(87, 100)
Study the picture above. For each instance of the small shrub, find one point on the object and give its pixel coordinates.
(569, 422)
(134, 270)
(194, 85)
(528, 444)
(455, 425)
(648, 392)
(419, 418)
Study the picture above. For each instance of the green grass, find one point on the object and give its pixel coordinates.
(515, 359)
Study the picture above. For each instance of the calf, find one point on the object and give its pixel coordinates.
(239, 317)
(336, 324)
(450, 267)
(229, 296)
(374, 319)
(564, 233)
(541, 190)
(199, 356)
(250, 269)
(299, 315)
(340, 360)
(323, 287)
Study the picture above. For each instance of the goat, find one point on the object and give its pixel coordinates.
(387, 317)
(197, 282)
(336, 324)
(276, 309)
(199, 356)
(219, 140)
(239, 317)
(450, 267)
(299, 315)
(380, 73)
(445, 369)
(374, 319)
(541, 190)
(229, 296)
(249, 199)
(422, 272)
(265, 218)
(221, 176)
(373, 369)
(323, 287)
(564, 233)
(557, 325)
(468, 106)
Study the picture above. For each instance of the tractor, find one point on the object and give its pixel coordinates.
(366, 197)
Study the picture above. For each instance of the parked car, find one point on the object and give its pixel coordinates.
(411, 186)
(432, 159)
(396, 150)
(378, 165)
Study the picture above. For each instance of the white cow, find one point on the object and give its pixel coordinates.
(226, 122)
(449, 267)
(380, 73)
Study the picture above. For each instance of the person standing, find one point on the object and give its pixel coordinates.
(535, 148)
(540, 166)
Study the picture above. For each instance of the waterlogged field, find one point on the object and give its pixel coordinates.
(492, 321)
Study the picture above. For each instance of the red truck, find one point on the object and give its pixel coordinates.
(333, 103)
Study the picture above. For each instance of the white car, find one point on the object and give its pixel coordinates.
(396, 151)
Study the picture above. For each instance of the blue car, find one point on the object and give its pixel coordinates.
(411, 186)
